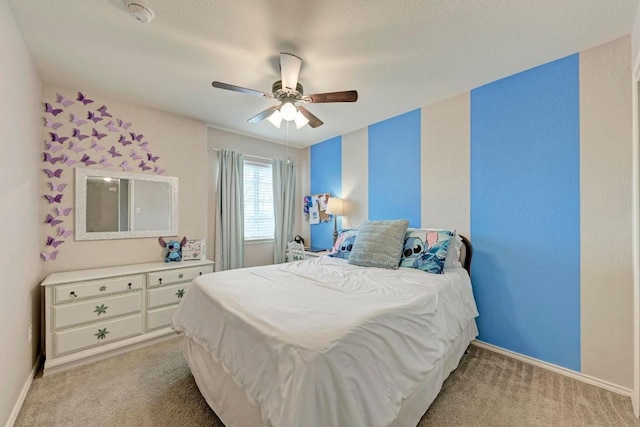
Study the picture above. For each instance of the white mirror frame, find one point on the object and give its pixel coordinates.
(81, 205)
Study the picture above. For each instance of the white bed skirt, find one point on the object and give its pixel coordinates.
(230, 402)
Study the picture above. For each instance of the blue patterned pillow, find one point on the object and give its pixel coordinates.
(344, 243)
(426, 250)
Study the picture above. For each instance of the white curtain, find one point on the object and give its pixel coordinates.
(229, 247)
(284, 193)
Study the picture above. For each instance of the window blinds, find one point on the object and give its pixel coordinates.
(258, 201)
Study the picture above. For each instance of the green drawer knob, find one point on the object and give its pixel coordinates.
(180, 276)
(180, 293)
(101, 309)
(103, 288)
(102, 333)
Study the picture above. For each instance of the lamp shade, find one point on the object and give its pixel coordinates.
(335, 206)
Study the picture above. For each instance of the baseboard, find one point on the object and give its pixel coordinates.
(23, 393)
(555, 368)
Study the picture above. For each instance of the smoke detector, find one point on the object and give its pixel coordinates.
(140, 11)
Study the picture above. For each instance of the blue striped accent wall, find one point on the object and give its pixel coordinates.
(394, 168)
(525, 211)
(326, 177)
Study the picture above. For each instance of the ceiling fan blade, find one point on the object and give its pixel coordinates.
(314, 122)
(290, 70)
(235, 88)
(263, 115)
(344, 96)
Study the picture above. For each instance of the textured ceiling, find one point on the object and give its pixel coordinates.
(399, 55)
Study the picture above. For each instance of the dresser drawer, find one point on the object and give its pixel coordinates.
(66, 315)
(80, 290)
(160, 317)
(176, 276)
(96, 334)
(166, 295)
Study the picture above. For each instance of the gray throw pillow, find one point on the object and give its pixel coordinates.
(379, 244)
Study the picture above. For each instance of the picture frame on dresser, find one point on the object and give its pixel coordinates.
(94, 314)
(194, 249)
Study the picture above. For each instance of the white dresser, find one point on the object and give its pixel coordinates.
(93, 314)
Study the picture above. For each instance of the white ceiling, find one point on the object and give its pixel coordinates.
(399, 55)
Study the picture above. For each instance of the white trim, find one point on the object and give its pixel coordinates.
(555, 368)
(635, 227)
(23, 393)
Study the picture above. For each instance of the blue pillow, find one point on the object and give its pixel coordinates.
(426, 250)
(344, 243)
(379, 244)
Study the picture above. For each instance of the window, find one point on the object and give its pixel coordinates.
(258, 201)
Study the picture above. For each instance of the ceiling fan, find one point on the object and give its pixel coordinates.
(289, 91)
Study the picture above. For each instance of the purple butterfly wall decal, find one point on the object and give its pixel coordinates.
(77, 121)
(53, 148)
(73, 146)
(93, 117)
(105, 162)
(51, 124)
(56, 187)
(58, 139)
(122, 140)
(96, 146)
(62, 232)
(49, 109)
(63, 211)
(144, 146)
(103, 111)
(53, 242)
(123, 124)
(52, 160)
(136, 137)
(152, 158)
(143, 166)
(53, 199)
(94, 132)
(125, 166)
(111, 127)
(51, 220)
(134, 155)
(87, 160)
(78, 135)
(113, 152)
(46, 256)
(57, 173)
(82, 98)
(158, 171)
(67, 161)
(65, 102)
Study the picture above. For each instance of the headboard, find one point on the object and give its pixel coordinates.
(466, 253)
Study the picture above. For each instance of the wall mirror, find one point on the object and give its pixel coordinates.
(124, 205)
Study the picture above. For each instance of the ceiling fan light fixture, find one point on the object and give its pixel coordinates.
(275, 118)
(288, 111)
(301, 120)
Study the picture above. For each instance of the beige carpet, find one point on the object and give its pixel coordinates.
(153, 387)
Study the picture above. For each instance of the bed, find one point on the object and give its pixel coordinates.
(320, 342)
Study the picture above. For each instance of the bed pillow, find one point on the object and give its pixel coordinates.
(453, 253)
(344, 243)
(426, 249)
(379, 244)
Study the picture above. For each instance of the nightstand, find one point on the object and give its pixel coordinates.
(308, 254)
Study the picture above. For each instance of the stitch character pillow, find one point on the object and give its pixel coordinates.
(344, 243)
(426, 250)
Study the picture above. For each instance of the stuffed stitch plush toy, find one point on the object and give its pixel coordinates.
(174, 249)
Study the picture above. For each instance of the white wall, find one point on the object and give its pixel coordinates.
(180, 143)
(254, 253)
(19, 212)
(606, 264)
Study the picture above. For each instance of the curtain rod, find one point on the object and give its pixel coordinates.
(246, 155)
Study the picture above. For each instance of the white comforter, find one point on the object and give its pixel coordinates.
(324, 343)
